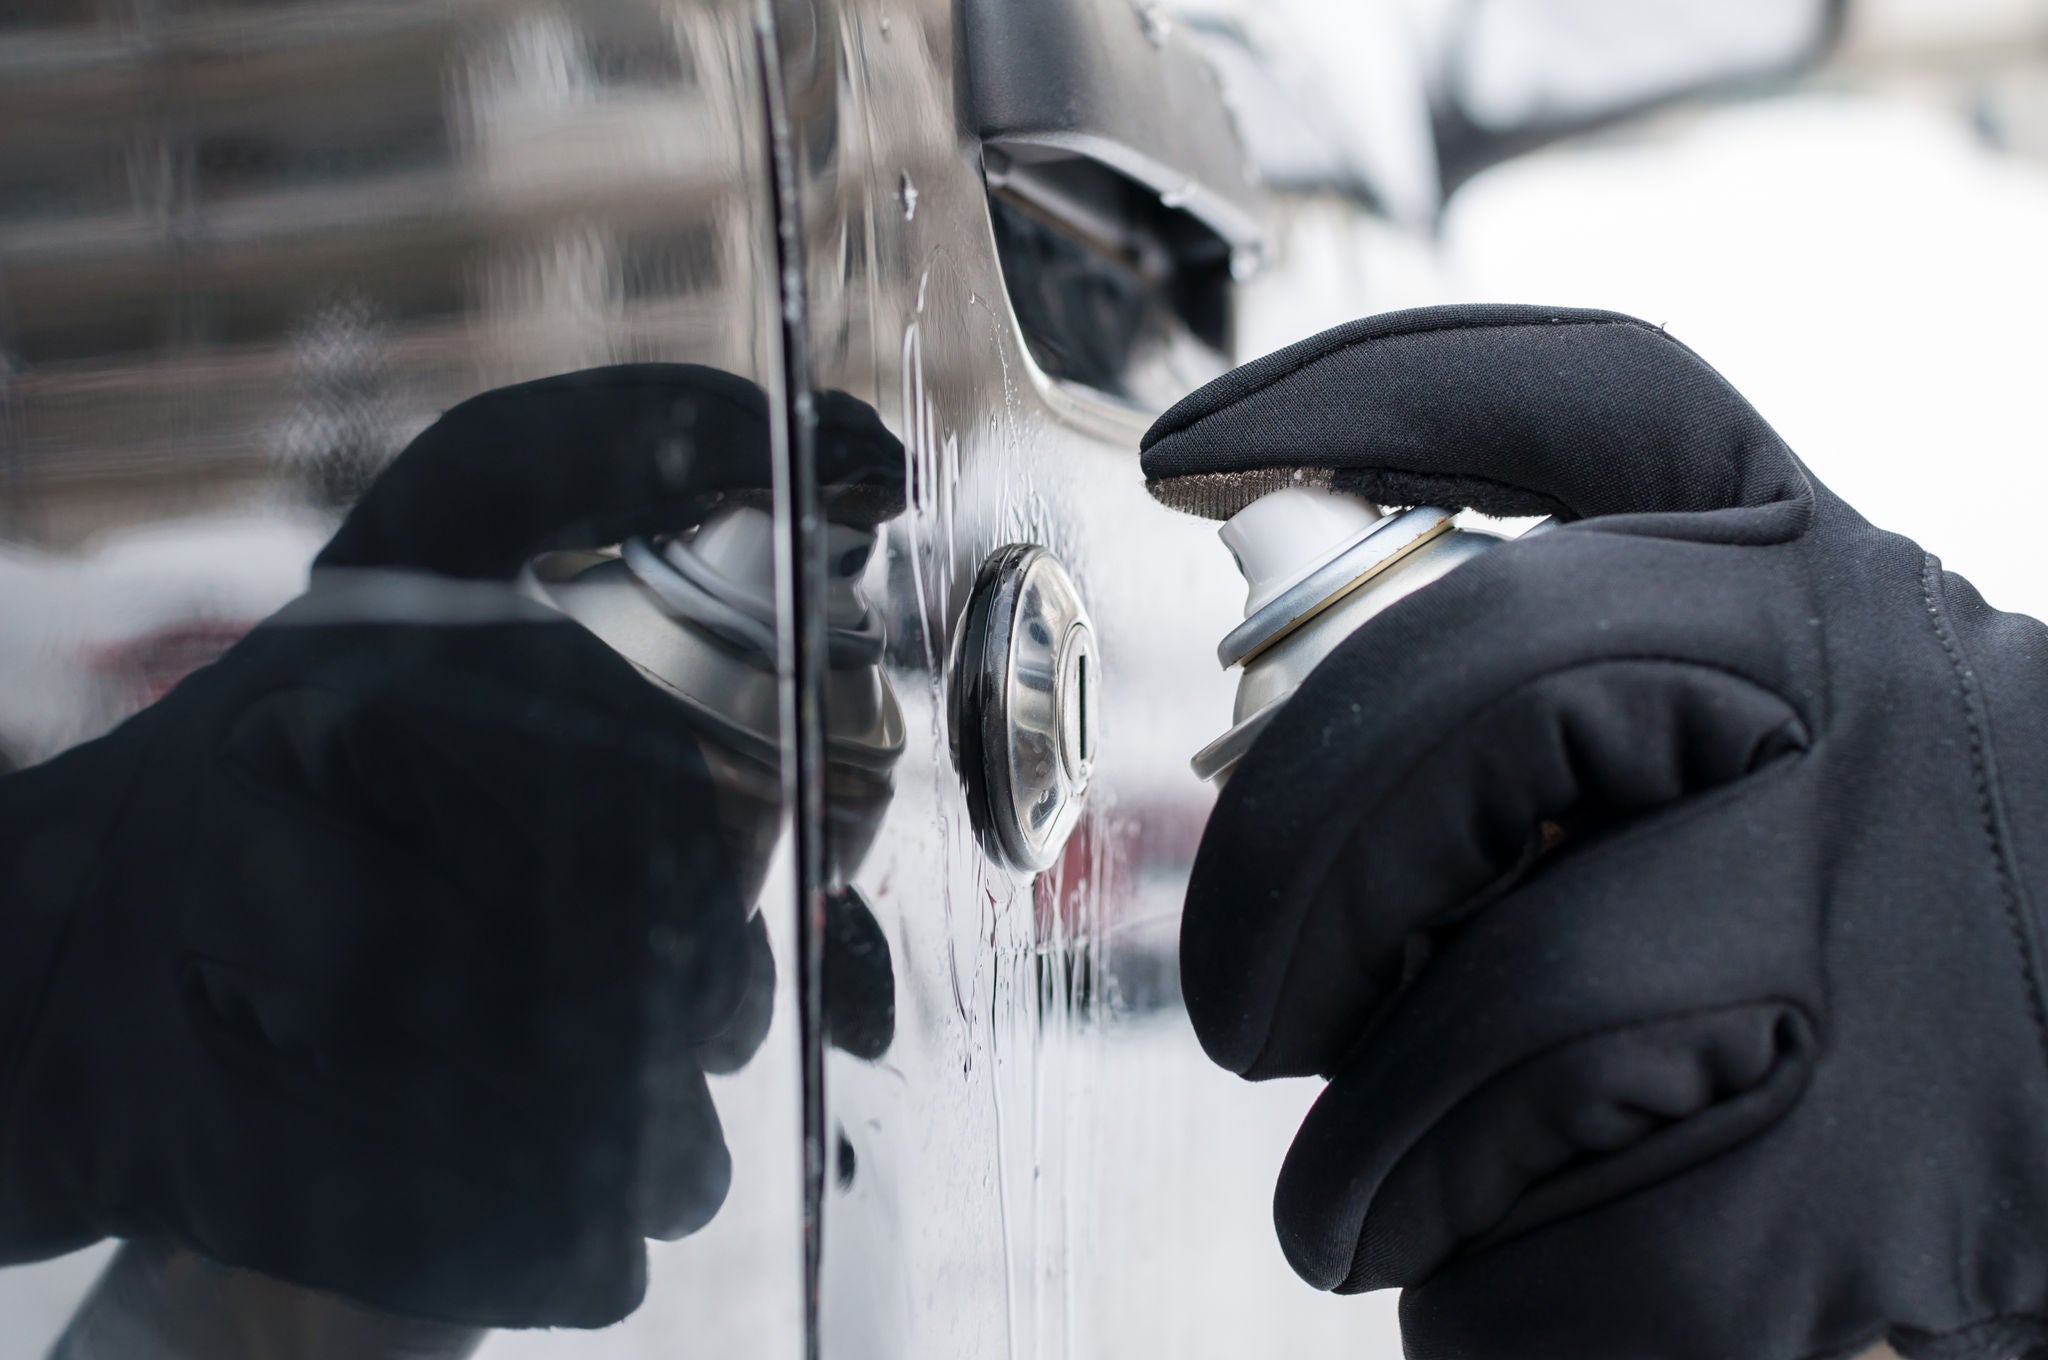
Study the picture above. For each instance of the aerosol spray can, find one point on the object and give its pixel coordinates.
(1317, 564)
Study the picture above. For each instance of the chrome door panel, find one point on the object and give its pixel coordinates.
(1042, 1163)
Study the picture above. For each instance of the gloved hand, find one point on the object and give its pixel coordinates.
(1657, 894)
(386, 954)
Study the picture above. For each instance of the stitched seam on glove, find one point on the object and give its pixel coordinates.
(1990, 804)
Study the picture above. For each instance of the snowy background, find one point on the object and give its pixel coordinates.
(1866, 268)
(1864, 255)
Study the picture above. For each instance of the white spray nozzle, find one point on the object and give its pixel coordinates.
(1280, 538)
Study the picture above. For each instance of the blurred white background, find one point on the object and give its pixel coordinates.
(1865, 257)
(1862, 250)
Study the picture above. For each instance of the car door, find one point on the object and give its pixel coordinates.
(1022, 229)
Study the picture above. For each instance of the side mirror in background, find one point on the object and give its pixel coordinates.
(1517, 74)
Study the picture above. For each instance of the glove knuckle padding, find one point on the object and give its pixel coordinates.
(1417, 768)
(1754, 1063)
(1571, 1042)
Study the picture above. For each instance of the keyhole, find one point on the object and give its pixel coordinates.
(1081, 698)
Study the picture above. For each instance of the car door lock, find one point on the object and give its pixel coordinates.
(1023, 700)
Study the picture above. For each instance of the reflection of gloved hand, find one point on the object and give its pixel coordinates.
(385, 954)
(1754, 1064)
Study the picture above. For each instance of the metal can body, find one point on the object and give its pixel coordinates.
(1292, 623)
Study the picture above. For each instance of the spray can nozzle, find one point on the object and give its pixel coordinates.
(1283, 536)
(1317, 564)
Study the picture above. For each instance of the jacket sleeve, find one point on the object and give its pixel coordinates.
(56, 823)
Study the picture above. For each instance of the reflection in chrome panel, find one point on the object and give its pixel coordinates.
(249, 252)
(420, 946)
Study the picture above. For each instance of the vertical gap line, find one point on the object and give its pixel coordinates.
(800, 585)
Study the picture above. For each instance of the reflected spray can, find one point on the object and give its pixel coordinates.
(695, 614)
(1317, 565)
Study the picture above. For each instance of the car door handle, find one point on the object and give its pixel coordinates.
(1118, 85)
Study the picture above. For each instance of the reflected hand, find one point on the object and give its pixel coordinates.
(386, 954)
(1754, 1063)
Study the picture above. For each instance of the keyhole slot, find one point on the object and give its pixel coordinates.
(1081, 699)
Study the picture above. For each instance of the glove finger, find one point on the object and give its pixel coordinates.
(685, 1167)
(1507, 409)
(731, 1047)
(1580, 1041)
(1579, 679)
(860, 981)
(590, 458)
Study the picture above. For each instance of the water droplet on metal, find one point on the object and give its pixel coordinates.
(906, 193)
(1152, 18)
(884, 24)
(1178, 196)
(1246, 262)
(844, 1161)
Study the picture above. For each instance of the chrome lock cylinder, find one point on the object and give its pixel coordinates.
(1317, 565)
(1023, 704)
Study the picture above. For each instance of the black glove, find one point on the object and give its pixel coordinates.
(1753, 1065)
(386, 954)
